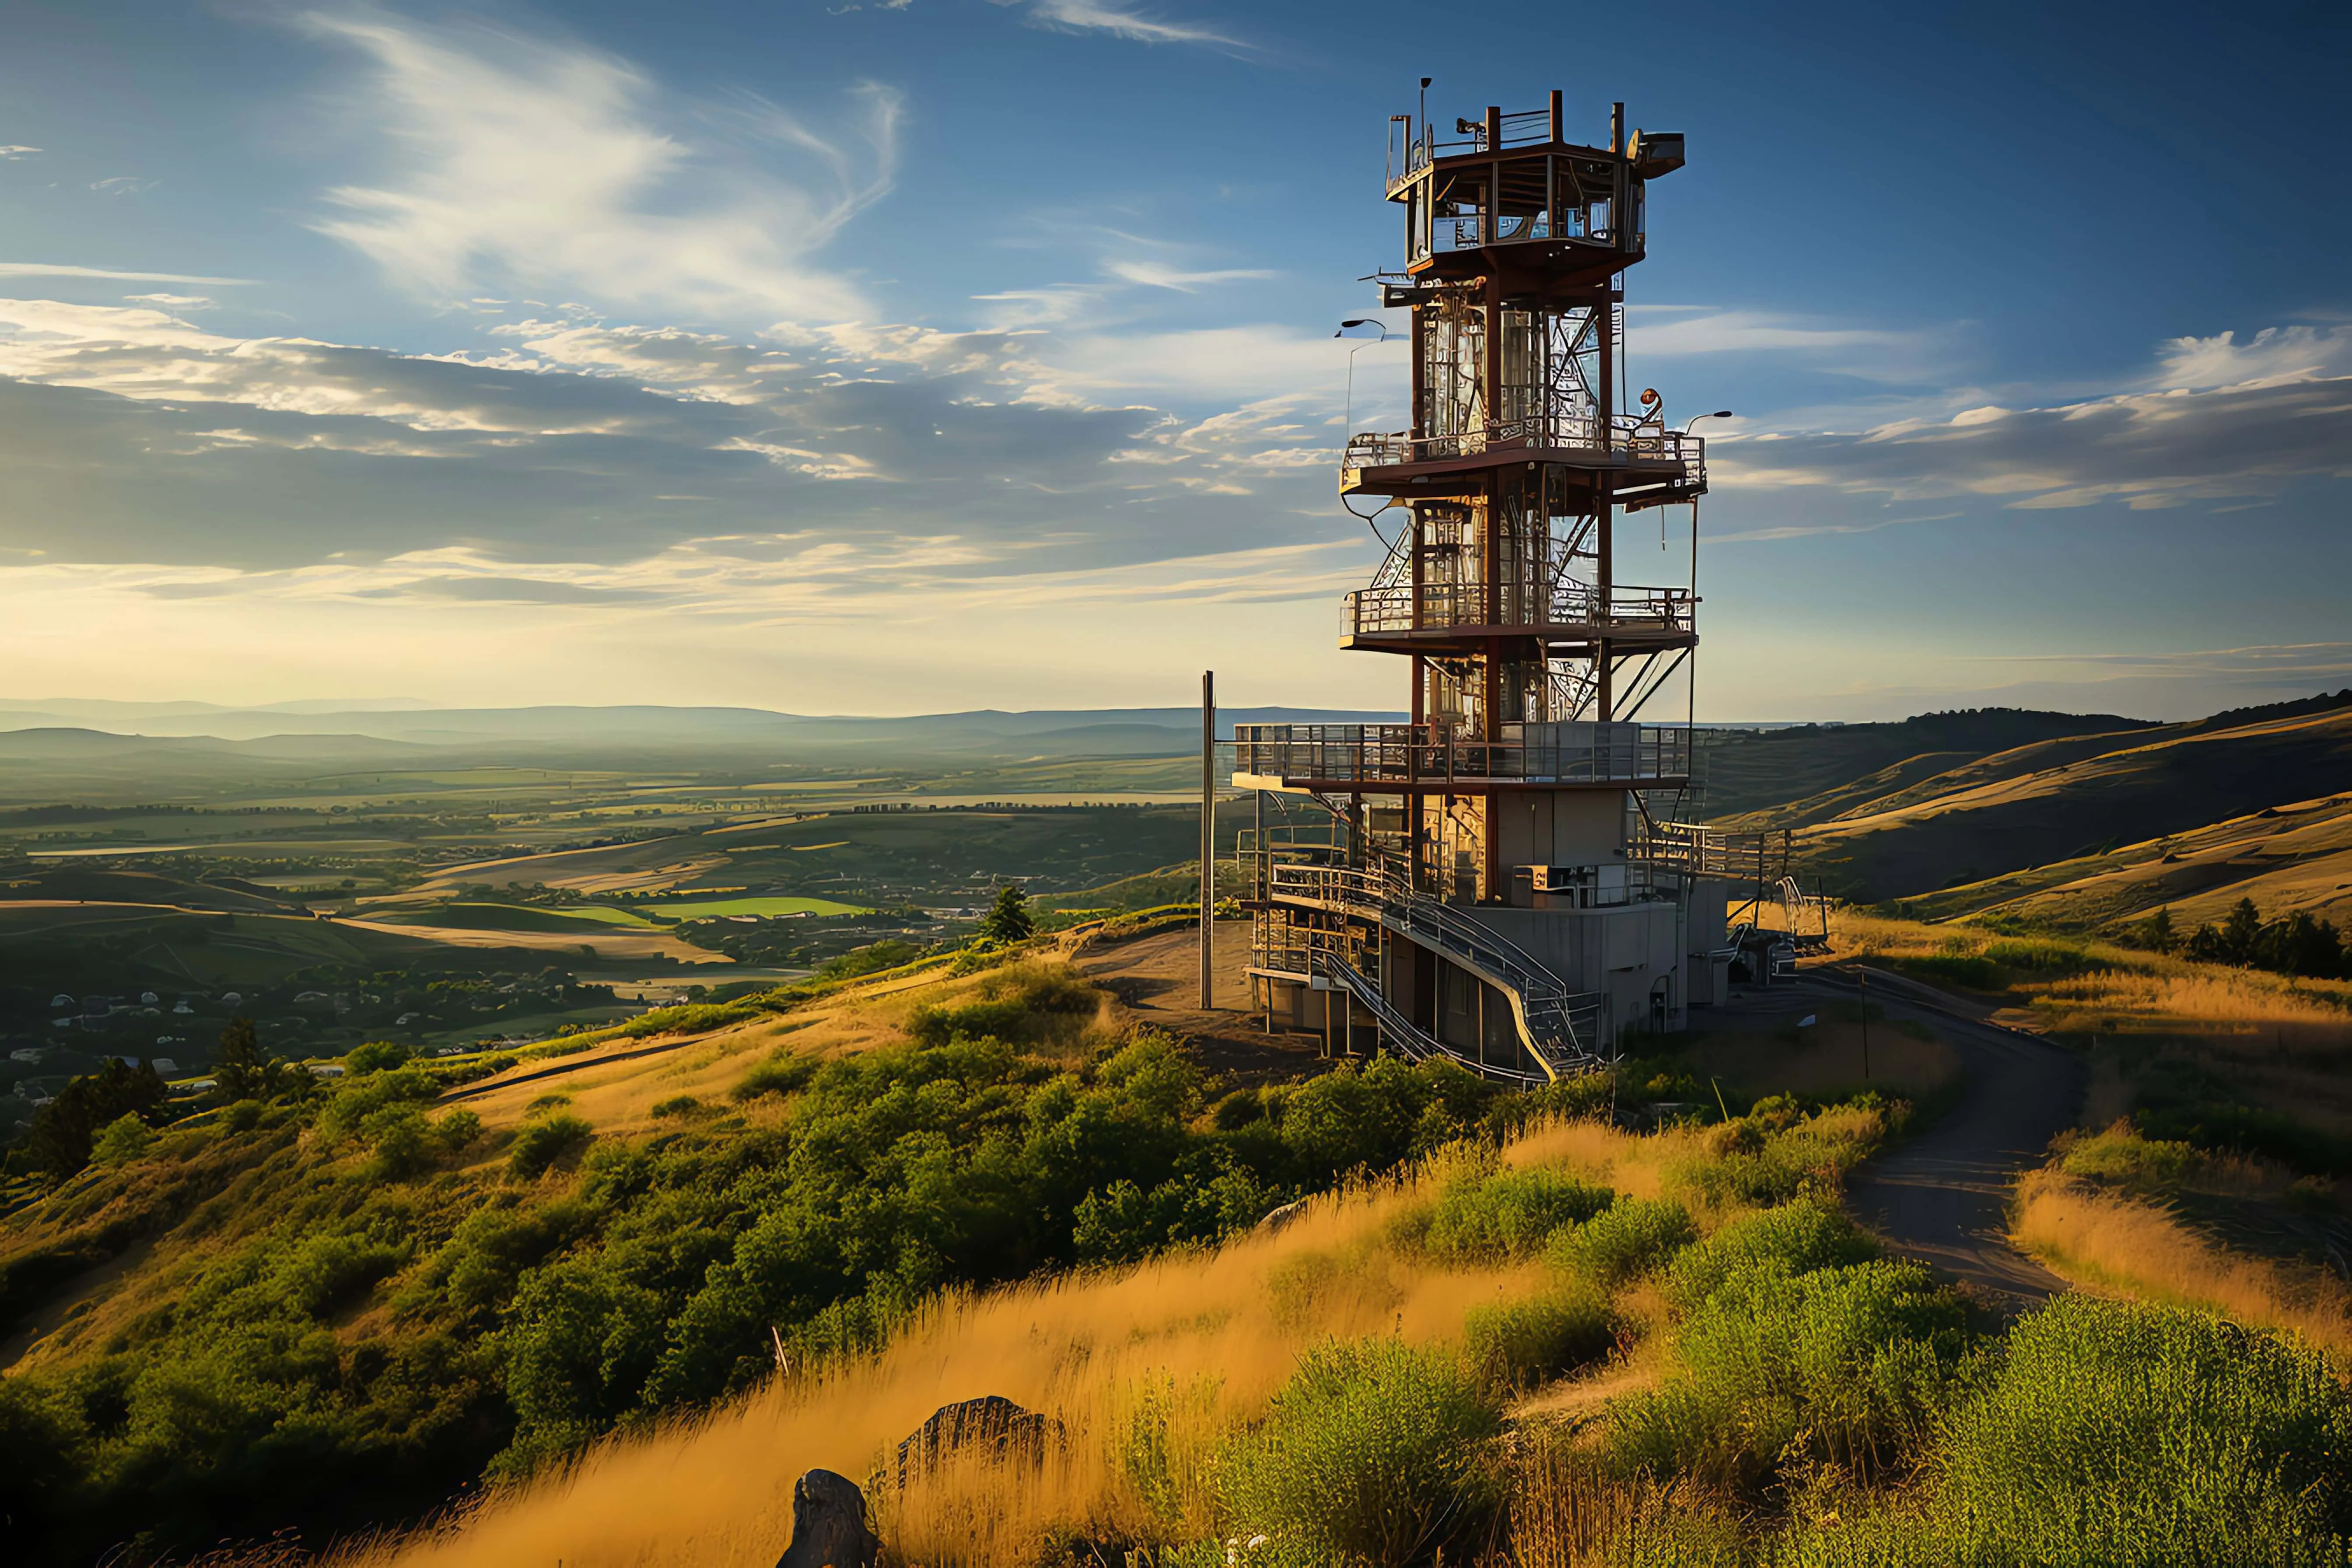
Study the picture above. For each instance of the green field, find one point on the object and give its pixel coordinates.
(718, 909)
(514, 916)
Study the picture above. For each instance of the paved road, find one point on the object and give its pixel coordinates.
(1940, 1197)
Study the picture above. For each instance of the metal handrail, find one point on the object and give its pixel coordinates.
(1405, 607)
(1415, 1042)
(1547, 1011)
(1575, 428)
(1403, 755)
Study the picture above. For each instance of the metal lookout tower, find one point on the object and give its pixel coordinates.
(1515, 879)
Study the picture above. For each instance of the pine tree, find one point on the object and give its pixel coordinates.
(1008, 920)
(2155, 933)
(2240, 932)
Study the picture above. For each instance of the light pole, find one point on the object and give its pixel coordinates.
(1690, 687)
(1348, 421)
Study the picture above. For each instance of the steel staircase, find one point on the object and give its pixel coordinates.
(1559, 1028)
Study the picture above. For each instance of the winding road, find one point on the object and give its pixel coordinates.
(1941, 1196)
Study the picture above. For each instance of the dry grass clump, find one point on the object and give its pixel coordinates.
(2133, 1247)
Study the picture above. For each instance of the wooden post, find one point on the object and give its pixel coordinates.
(1208, 836)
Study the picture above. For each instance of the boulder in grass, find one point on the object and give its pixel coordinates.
(993, 1426)
(829, 1525)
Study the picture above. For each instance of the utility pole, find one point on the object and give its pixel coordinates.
(1208, 838)
(1863, 971)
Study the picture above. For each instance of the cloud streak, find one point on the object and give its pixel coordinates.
(1120, 21)
(2223, 421)
(524, 165)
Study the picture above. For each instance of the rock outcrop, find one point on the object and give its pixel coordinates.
(1000, 1430)
(829, 1525)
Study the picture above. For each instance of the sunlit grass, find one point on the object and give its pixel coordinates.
(2131, 1246)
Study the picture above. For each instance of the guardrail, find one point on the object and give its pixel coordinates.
(1405, 607)
(1432, 757)
(1701, 851)
(1569, 428)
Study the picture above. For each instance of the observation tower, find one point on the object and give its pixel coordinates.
(1514, 878)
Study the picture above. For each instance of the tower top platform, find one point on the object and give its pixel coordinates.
(1512, 197)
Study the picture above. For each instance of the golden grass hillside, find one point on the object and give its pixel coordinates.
(1955, 829)
(1169, 1360)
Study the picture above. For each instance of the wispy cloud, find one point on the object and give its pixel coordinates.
(1154, 275)
(1812, 530)
(2225, 421)
(124, 185)
(9, 155)
(525, 165)
(1120, 21)
(1872, 354)
(60, 269)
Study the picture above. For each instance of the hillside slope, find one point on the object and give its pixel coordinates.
(2287, 858)
(2001, 821)
(1754, 770)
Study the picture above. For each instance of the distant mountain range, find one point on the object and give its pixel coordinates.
(1096, 732)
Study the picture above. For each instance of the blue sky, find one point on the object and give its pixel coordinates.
(898, 357)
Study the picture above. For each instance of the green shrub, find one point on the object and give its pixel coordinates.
(1511, 1213)
(1977, 974)
(978, 1020)
(1798, 1237)
(121, 1141)
(1623, 1241)
(377, 1056)
(1516, 1344)
(1845, 1366)
(1375, 1452)
(1779, 1152)
(787, 1071)
(677, 1105)
(358, 1098)
(541, 1146)
(2119, 1433)
(2121, 1155)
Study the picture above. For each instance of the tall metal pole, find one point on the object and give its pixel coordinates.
(1208, 836)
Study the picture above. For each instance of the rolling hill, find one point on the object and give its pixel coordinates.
(2232, 799)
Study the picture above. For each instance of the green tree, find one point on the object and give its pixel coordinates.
(64, 1129)
(122, 1140)
(2155, 934)
(1008, 920)
(240, 1067)
(2241, 931)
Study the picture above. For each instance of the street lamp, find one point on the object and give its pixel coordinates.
(1348, 421)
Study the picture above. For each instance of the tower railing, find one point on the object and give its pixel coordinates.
(1430, 757)
(1404, 607)
(1573, 429)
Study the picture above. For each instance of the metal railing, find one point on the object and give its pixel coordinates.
(1553, 1022)
(1698, 850)
(1404, 607)
(1431, 757)
(1409, 153)
(1413, 1042)
(1569, 428)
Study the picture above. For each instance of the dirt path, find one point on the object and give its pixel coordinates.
(1159, 977)
(1941, 1196)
